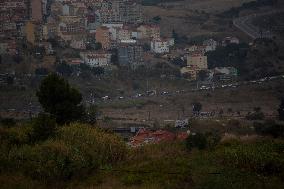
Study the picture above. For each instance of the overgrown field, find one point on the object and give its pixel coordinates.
(82, 156)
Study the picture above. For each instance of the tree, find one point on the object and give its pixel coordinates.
(43, 127)
(98, 46)
(197, 106)
(58, 98)
(175, 35)
(64, 69)
(157, 19)
(202, 75)
(281, 110)
(198, 141)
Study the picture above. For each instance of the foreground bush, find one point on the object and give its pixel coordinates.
(75, 150)
(264, 157)
(198, 141)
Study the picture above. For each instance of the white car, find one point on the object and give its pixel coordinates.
(105, 97)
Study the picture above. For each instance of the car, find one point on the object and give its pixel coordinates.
(121, 98)
(164, 93)
(105, 98)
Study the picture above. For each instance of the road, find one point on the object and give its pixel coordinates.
(245, 25)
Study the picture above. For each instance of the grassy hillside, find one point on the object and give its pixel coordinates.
(84, 157)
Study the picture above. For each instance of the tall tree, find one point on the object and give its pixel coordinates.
(58, 98)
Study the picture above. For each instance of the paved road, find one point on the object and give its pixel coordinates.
(245, 24)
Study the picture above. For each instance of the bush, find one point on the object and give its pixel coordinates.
(196, 141)
(43, 127)
(255, 116)
(270, 128)
(8, 122)
(264, 157)
(75, 150)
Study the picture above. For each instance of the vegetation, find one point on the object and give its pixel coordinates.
(231, 55)
(59, 99)
(252, 5)
(81, 156)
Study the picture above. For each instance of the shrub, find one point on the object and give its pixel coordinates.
(196, 141)
(255, 116)
(75, 150)
(43, 127)
(265, 157)
(8, 122)
(270, 127)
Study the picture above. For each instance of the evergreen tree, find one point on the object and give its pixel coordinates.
(59, 99)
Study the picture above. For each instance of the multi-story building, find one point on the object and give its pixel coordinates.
(103, 36)
(113, 29)
(120, 11)
(78, 42)
(95, 58)
(36, 10)
(160, 46)
(123, 33)
(130, 55)
(151, 31)
(210, 45)
(197, 60)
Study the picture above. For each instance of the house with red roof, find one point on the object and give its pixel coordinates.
(145, 136)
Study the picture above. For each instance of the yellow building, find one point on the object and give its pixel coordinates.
(189, 72)
(30, 32)
(197, 60)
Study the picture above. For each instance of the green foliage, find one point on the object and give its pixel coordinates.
(255, 116)
(198, 141)
(58, 98)
(264, 157)
(43, 127)
(230, 55)
(270, 128)
(252, 5)
(98, 46)
(202, 75)
(41, 71)
(197, 107)
(75, 150)
(64, 69)
(8, 122)
(157, 19)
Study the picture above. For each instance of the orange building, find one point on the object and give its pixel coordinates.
(103, 37)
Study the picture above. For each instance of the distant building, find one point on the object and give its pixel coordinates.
(190, 72)
(160, 46)
(96, 59)
(145, 136)
(210, 45)
(150, 31)
(123, 34)
(130, 55)
(197, 60)
(47, 47)
(225, 73)
(36, 10)
(8, 47)
(30, 32)
(78, 43)
(103, 36)
(113, 29)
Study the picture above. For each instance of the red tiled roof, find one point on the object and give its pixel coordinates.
(145, 136)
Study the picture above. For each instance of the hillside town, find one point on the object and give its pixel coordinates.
(98, 34)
